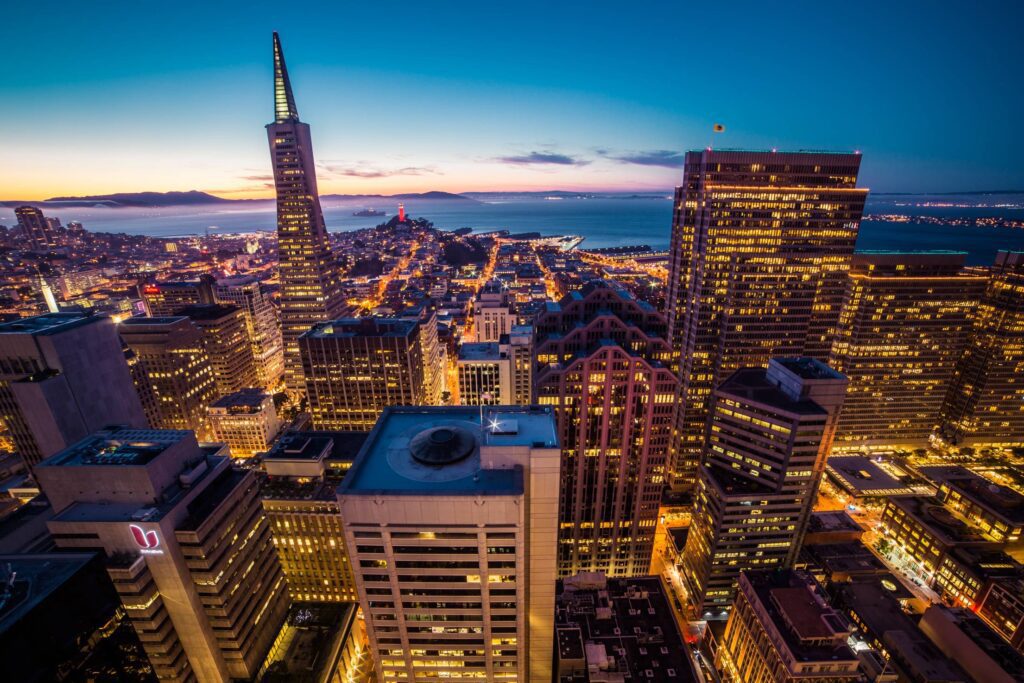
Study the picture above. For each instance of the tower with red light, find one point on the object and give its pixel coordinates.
(401, 213)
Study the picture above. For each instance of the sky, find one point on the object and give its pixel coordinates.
(105, 97)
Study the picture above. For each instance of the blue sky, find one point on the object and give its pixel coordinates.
(107, 96)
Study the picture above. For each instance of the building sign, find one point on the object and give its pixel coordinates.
(148, 541)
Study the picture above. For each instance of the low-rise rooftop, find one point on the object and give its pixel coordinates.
(861, 476)
(249, 400)
(618, 629)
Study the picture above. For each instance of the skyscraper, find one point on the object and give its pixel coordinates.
(227, 343)
(767, 441)
(299, 495)
(356, 367)
(185, 541)
(451, 528)
(62, 377)
(985, 403)
(34, 227)
(262, 321)
(171, 364)
(309, 279)
(761, 242)
(904, 323)
(604, 365)
(163, 299)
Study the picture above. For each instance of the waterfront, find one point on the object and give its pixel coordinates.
(605, 221)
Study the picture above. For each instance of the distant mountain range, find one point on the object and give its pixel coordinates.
(195, 197)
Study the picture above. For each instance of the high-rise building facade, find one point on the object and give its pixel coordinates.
(246, 421)
(603, 363)
(310, 292)
(485, 374)
(761, 242)
(985, 403)
(492, 313)
(228, 345)
(303, 472)
(34, 227)
(173, 366)
(520, 353)
(435, 356)
(262, 321)
(904, 323)
(768, 437)
(451, 527)
(186, 544)
(62, 377)
(356, 367)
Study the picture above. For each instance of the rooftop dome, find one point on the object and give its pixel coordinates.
(442, 445)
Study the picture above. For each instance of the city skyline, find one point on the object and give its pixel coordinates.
(509, 437)
(517, 101)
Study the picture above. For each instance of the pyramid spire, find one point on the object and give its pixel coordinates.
(284, 102)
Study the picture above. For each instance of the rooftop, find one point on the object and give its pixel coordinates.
(313, 445)
(31, 578)
(317, 630)
(251, 398)
(808, 368)
(117, 448)
(861, 476)
(362, 327)
(931, 514)
(387, 463)
(481, 351)
(812, 630)
(48, 323)
(618, 626)
(983, 492)
(141, 321)
(207, 312)
(753, 384)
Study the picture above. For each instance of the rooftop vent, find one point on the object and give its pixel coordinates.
(442, 445)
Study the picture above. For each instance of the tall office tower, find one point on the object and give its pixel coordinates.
(228, 345)
(356, 367)
(761, 242)
(163, 299)
(310, 292)
(604, 364)
(485, 374)
(262, 321)
(520, 353)
(768, 437)
(62, 377)
(435, 357)
(985, 403)
(783, 630)
(246, 421)
(186, 543)
(452, 529)
(302, 474)
(904, 323)
(492, 313)
(170, 353)
(34, 227)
